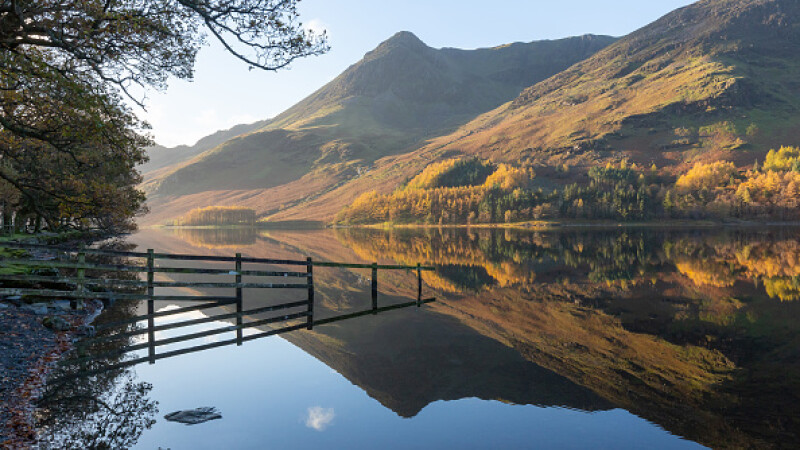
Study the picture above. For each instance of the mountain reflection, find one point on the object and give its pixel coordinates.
(694, 330)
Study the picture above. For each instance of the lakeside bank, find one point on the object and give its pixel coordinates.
(34, 335)
(528, 225)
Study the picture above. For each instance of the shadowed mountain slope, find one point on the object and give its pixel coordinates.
(161, 156)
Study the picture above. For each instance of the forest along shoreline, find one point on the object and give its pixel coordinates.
(34, 335)
(533, 225)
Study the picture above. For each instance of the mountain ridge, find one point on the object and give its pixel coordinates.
(400, 94)
(707, 82)
(162, 156)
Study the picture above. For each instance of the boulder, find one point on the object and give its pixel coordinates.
(61, 304)
(194, 416)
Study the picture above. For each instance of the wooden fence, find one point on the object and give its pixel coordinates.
(85, 362)
(42, 276)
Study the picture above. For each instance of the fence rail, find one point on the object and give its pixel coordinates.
(81, 286)
(85, 365)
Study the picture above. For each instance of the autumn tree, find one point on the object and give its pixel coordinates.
(68, 143)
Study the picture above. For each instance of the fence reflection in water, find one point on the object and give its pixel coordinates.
(151, 342)
(71, 276)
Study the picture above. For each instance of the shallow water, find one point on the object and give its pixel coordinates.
(580, 339)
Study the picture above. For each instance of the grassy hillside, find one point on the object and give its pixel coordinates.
(390, 102)
(711, 81)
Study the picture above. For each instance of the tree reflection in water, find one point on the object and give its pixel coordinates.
(106, 410)
(695, 330)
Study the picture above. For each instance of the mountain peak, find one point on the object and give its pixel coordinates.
(406, 38)
(401, 39)
(401, 43)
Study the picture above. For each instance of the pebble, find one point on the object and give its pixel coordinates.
(23, 340)
(61, 304)
(40, 309)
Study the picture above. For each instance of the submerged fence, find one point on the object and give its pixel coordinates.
(51, 272)
(81, 365)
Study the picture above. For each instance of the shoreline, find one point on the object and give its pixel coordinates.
(29, 360)
(29, 349)
(530, 225)
(557, 226)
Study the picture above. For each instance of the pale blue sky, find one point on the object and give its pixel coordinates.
(225, 93)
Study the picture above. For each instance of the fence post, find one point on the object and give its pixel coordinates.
(151, 335)
(239, 332)
(374, 288)
(310, 270)
(419, 285)
(81, 279)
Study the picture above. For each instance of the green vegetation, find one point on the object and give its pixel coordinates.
(786, 158)
(495, 199)
(453, 173)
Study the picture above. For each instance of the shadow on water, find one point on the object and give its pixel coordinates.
(696, 331)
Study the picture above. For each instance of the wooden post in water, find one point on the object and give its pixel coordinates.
(151, 335)
(239, 332)
(375, 288)
(419, 285)
(81, 280)
(310, 316)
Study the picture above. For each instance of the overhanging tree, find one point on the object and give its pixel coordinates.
(69, 145)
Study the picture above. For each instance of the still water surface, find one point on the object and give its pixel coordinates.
(582, 339)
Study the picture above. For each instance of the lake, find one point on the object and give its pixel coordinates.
(619, 338)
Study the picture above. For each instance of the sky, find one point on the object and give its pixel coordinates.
(225, 93)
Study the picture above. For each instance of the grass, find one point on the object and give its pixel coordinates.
(12, 253)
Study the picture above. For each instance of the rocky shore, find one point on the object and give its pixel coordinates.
(32, 339)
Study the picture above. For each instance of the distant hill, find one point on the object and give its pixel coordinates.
(400, 94)
(161, 156)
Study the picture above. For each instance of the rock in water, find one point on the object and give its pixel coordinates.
(194, 416)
